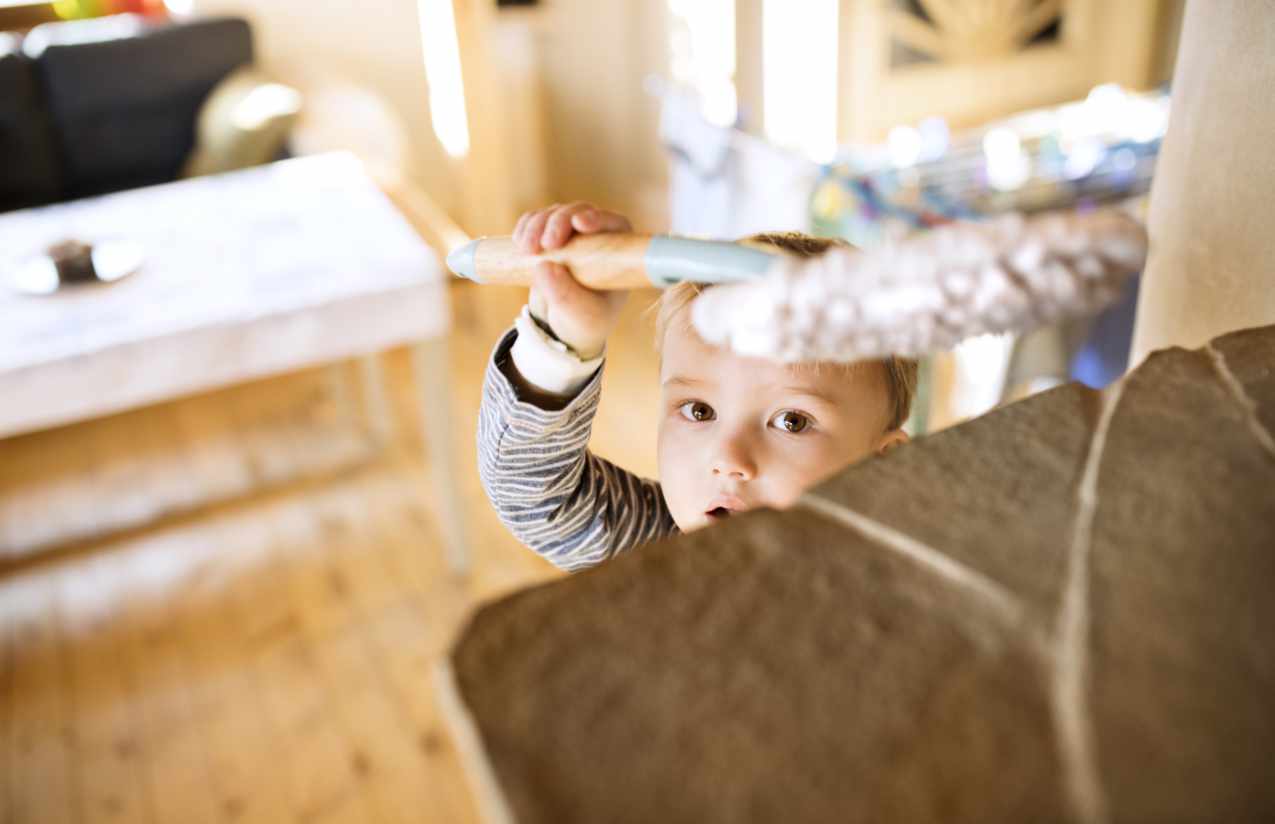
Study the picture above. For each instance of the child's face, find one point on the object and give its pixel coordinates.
(738, 433)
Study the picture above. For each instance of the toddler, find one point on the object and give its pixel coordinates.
(735, 433)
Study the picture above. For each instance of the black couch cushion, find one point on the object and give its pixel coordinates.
(124, 107)
(28, 164)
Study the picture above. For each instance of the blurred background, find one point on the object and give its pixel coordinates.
(565, 99)
(863, 119)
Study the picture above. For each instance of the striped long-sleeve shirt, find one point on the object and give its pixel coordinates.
(562, 501)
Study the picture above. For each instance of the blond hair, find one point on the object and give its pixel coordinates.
(900, 373)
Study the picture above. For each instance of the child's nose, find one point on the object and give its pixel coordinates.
(733, 459)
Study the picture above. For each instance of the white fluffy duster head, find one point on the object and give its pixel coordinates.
(929, 291)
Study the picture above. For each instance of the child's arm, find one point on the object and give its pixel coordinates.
(568, 505)
(539, 396)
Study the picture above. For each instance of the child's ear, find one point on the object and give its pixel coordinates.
(891, 439)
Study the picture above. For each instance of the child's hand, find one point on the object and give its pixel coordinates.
(580, 317)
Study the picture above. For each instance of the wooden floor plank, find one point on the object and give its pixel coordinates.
(106, 753)
(8, 699)
(403, 647)
(340, 655)
(224, 689)
(330, 782)
(386, 754)
(41, 771)
(159, 569)
(318, 771)
(407, 653)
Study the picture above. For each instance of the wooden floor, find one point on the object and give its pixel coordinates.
(263, 651)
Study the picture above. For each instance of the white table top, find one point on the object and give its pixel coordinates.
(245, 274)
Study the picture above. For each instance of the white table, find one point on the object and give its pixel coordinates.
(246, 275)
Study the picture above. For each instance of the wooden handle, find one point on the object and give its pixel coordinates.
(602, 261)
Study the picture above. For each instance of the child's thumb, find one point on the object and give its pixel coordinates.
(559, 288)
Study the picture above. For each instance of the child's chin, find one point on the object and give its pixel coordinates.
(697, 524)
(711, 520)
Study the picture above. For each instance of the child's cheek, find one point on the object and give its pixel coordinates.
(791, 467)
(781, 478)
(785, 495)
(677, 472)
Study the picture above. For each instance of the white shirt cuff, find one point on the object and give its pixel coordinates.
(548, 364)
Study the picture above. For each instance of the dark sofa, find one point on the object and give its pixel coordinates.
(97, 106)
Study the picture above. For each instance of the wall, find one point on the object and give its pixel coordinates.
(1211, 267)
(373, 45)
(602, 128)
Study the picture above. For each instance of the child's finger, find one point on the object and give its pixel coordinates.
(600, 220)
(558, 230)
(535, 228)
(562, 290)
(585, 221)
(518, 227)
(553, 281)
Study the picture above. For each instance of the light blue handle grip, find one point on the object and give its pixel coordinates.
(671, 260)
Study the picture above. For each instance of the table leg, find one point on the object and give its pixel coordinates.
(338, 388)
(429, 358)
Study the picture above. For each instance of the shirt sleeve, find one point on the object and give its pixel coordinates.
(545, 362)
(570, 506)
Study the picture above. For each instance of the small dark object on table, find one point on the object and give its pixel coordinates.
(74, 261)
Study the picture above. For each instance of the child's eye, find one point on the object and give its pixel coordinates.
(696, 411)
(790, 421)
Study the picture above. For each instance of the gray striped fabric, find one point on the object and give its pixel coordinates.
(567, 504)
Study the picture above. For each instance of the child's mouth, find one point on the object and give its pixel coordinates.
(724, 506)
